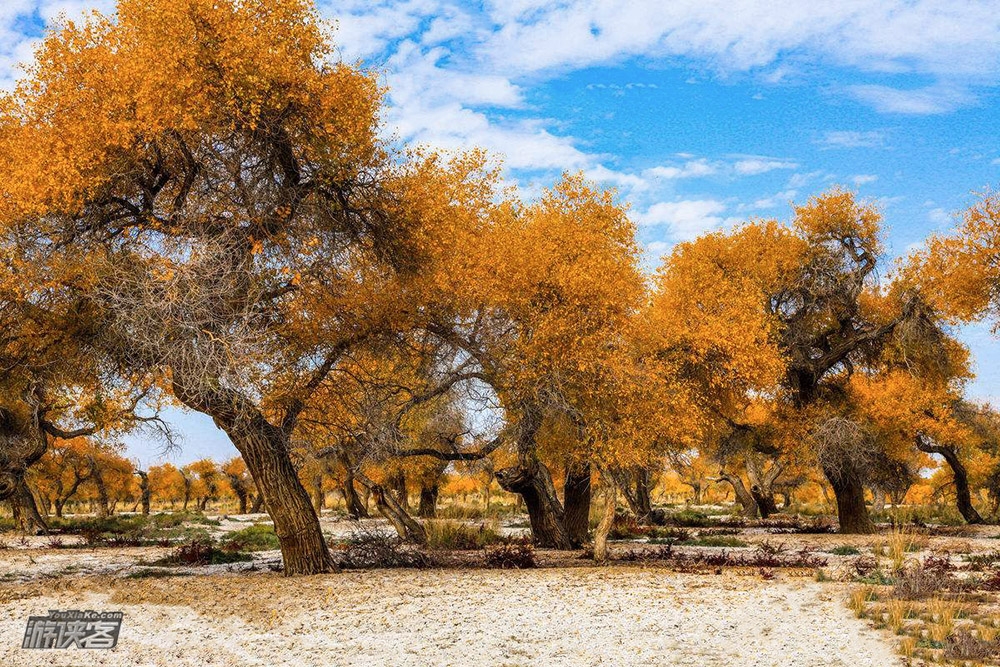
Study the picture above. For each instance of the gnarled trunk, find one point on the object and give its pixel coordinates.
(576, 503)
(265, 450)
(962, 494)
(851, 509)
(609, 491)
(743, 497)
(530, 479)
(144, 490)
(408, 528)
(428, 501)
(27, 519)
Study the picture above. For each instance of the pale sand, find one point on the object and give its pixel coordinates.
(576, 616)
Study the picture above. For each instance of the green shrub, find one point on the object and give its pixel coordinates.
(258, 537)
(844, 550)
(715, 541)
(202, 552)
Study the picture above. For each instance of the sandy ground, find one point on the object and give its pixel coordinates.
(577, 616)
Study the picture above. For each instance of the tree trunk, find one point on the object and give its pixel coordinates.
(27, 519)
(576, 503)
(265, 450)
(408, 528)
(851, 509)
(765, 502)
(318, 496)
(355, 508)
(258, 503)
(144, 489)
(878, 500)
(743, 497)
(531, 480)
(398, 486)
(609, 492)
(642, 493)
(103, 502)
(428, 501)
(961, 475)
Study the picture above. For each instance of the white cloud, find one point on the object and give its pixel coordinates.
(758, 165)
(862, 179)
(685, 219)
(779, 199)
(690, 169)
(939, 217)
(851, 139)
(918, 101)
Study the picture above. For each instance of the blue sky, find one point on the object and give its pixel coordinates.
(701, 112)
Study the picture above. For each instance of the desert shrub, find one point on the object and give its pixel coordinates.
(714, 541)
(625, 527)
(371, 548)
(202, 552)
(919, 582)
(513, 555)
(966, 646)
(688, 518)
(459, 536)
(844, 550)
(259, 537)
(983, 561)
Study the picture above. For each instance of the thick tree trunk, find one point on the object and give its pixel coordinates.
(851, 509)
(428, 501)
(265, 450)
(743, 497)
(961, 475)
(257, 506)
(765, 502)
(144, 489)
(643, 489)
(576, 503)
(531, 480)
(27, 519)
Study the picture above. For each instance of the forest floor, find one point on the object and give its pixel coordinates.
(716, 595)
(551, 616)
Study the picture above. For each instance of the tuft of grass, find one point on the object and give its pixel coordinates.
(715, 541)
(155, 573)
(844, 550)
(202, 552)
(458, 536)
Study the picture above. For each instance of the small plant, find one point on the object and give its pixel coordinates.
(202, 552)
(459, 536)
(259, 537)
(844, 550)
(516, 555)
(373, 548)
(56, 542)
(896, 612)
(715, 541)
(859, 599)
